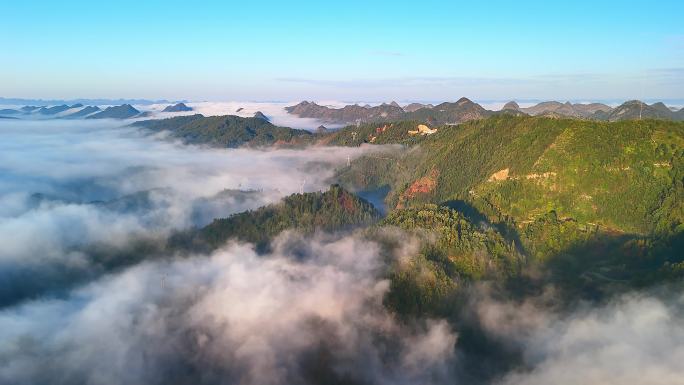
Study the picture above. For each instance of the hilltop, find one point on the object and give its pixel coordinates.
(333, 210)
(124, 111)
(228, 131)
(178, 107)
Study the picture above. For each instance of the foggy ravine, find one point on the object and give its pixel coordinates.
(310, 311)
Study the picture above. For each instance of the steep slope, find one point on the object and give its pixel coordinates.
(260, 115)
(228, 131)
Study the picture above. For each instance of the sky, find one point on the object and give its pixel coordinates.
(350, 50)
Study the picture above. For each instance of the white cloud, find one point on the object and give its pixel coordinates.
(288, 317)
(106, 184)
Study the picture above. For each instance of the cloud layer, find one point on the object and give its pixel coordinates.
(68, 185)
(77, 198)
(310, 312)
(635, 339)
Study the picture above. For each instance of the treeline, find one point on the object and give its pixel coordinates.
(329, 211)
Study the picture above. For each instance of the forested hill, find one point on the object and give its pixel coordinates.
(597, 201)
(228, 131)
(596, 204)
(614, 174)
(332, 210)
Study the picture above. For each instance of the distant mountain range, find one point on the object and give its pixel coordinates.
(75, 111)
(630, 110)
(56, 109)
(562, 109)
(635, 109)
(447, 113)
(465, 110)
(347, 114)
(444, 113)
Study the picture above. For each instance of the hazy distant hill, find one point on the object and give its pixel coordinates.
(53, 110)
(635, 109)
(228, 131)
(680, 114)
(416, 106)
(179, 107)
(512, 105)
(445, 113)
(83, 112)
(566, 109)
(461, 111)
(123, 111)
(9, 111)
(346, 115)
(53, 102)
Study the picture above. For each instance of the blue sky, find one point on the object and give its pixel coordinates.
(350, 50)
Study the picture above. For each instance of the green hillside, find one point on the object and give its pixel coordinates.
(375, 133)
(454, 252)
(332, 210)
(615, 175)
(596, 204)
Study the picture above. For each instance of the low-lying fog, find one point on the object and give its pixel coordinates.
(310, 311)
(68, 184)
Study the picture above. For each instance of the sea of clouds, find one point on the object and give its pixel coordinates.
(309, 311)
(66, 185)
